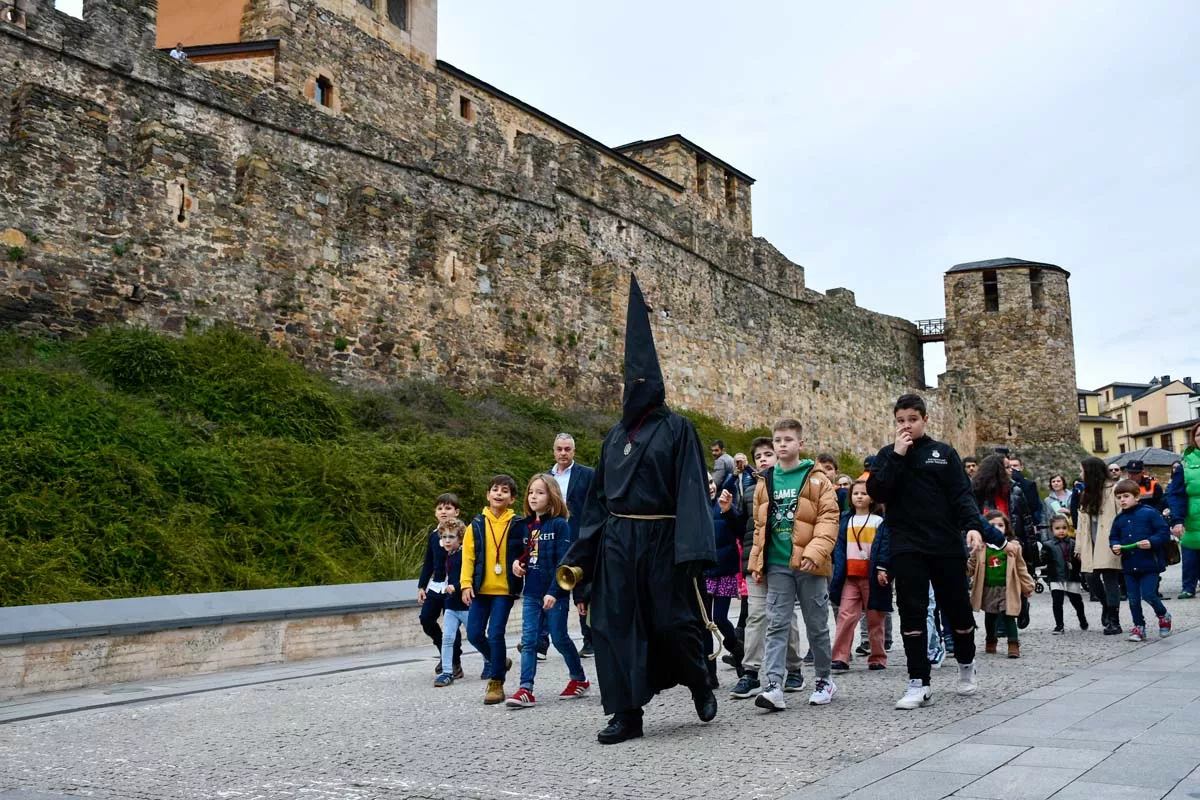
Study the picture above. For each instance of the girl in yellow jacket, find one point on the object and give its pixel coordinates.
(998, 581)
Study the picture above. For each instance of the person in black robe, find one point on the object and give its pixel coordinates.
(645, 535)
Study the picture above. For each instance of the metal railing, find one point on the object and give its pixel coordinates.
(932, 330)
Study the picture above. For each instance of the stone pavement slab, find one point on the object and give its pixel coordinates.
(1080, 715)
(1082, 790)
(1152, 766)
(1069, 757)
(1016, 782)
(970, 758)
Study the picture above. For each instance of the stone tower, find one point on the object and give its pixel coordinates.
(1008, 338)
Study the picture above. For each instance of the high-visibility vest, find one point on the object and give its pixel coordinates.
(1147, 485)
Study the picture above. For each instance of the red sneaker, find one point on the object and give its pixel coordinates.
(522, 698)
(575, 689)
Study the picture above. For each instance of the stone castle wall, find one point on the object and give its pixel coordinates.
(395, 238)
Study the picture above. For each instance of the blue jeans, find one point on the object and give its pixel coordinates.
(543, 637)
(434, 603)
(1191, 568)
(486, 622)
(1141, 586)
(533, 619)
(451, 637)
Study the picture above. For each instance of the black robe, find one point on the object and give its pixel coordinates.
(646, 624)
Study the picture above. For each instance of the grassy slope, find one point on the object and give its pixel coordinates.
(135, 464)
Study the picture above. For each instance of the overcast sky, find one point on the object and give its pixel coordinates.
(893, 140)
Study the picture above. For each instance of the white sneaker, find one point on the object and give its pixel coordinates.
(771, 698)
(824, 692)
(915, 696)
(966, 679)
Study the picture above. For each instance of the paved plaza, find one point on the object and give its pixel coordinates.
(1078, 716)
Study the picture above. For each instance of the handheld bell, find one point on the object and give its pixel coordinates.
(567, 577)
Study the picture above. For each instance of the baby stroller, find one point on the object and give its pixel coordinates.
(1040, 581)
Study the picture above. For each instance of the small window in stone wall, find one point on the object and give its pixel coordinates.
(466, 109)
(11, 15)
(701, 176)
(179, 201)
(1035, 287)
(398, 13)
(184, 202)
(991, 291)
(323, 91)
(730, 191)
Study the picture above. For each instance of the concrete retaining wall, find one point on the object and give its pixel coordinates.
(66, 646)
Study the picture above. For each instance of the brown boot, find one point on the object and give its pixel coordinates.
(494, 693)
(1014, 649)
(990, 646)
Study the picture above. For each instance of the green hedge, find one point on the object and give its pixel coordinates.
(137, 464)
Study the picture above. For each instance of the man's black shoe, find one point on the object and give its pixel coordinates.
(586, 651)
(619, 729)
(706, 704)
(863, 649)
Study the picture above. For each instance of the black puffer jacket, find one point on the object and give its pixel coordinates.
(746, 517)
(1024, 527)
(1061, 562)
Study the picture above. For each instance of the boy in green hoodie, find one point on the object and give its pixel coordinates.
(488, 586)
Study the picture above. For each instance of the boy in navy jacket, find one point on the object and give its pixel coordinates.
(432, 583)
(546, 536)
(1139, 536)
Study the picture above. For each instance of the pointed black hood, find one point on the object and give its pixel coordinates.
(644, 386)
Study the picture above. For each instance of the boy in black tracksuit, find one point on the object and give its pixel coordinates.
(929, 505)
(431, 584)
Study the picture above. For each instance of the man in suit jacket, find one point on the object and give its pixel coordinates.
(574, 480)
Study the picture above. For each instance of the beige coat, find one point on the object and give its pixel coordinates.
(1017, 581)
(1101, 557)
(814, 530)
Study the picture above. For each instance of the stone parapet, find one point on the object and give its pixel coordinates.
(64, 646)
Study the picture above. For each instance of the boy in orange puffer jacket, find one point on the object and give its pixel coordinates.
(795, 530)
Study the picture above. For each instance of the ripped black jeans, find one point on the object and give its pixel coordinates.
(913, 574)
